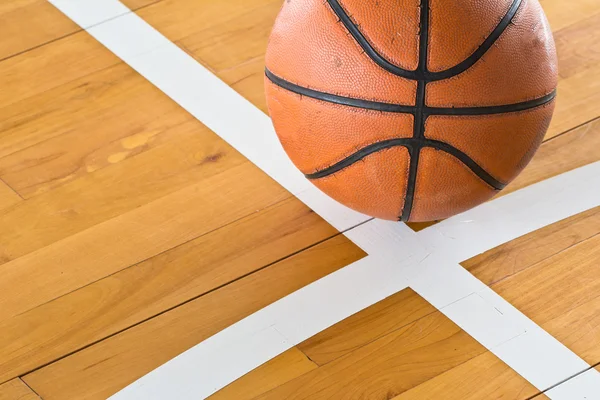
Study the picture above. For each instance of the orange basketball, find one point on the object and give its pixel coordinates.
(407, 109)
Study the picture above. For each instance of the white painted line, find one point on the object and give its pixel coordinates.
(541, 359)
(581, 387)
(87, 13)
(237, 350)
(473, 314)
(515, 339)
(427, 261)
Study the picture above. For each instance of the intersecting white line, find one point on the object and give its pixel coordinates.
(428, 261)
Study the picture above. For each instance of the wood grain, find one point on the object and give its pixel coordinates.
(577, 58)
(513, 257)
(25, 24)
(137, 4)
(368, 325)
(561, 295)
(579, 330)
(483, 377)
(50, 66)
(16, 390)
(132, 237)
(160, 283)
(102, 119)
(28, 24)
(8, 196)
(282, 369)
(242, 39)
(579, 69)
(388, 366)
(556, 285)
(230, 39)
(133, 209)
(100, 370)
(178, 19)
(192, 155)
(577, 11)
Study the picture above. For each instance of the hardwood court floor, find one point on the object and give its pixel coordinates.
(129, 232)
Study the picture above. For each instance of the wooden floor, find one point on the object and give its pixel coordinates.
(129, 232)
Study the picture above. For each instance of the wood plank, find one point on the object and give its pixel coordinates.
(483, 377)
(578, 46)
(16, 390)
(388, 316)
(178, 19)
(579, 86)
(137, 4)
(8, 196)
(81, 127)
(391, 314)
(577, 11)
(50, 66)
(193, 154)
(230, 40)
(248, 76)
(241, 39)
(388, 366)
(561, 295)
(142, 291)
(579, 330)
(518, 255)
(282, 369)
(106, 367)
(130, 238)
(44, 24)
(556, 285)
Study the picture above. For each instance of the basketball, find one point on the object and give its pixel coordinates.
(411, 110)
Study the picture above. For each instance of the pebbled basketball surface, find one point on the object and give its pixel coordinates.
(411, 110)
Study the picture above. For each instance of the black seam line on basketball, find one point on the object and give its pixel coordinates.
(366, 46)
(359, 155)
(466, 160)
(332, 98)
(420, 116)
(482, 49)
(411, 144)
(416, 74)
(490, 110)
(415, 152)
(409, 195)
(400, 108)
